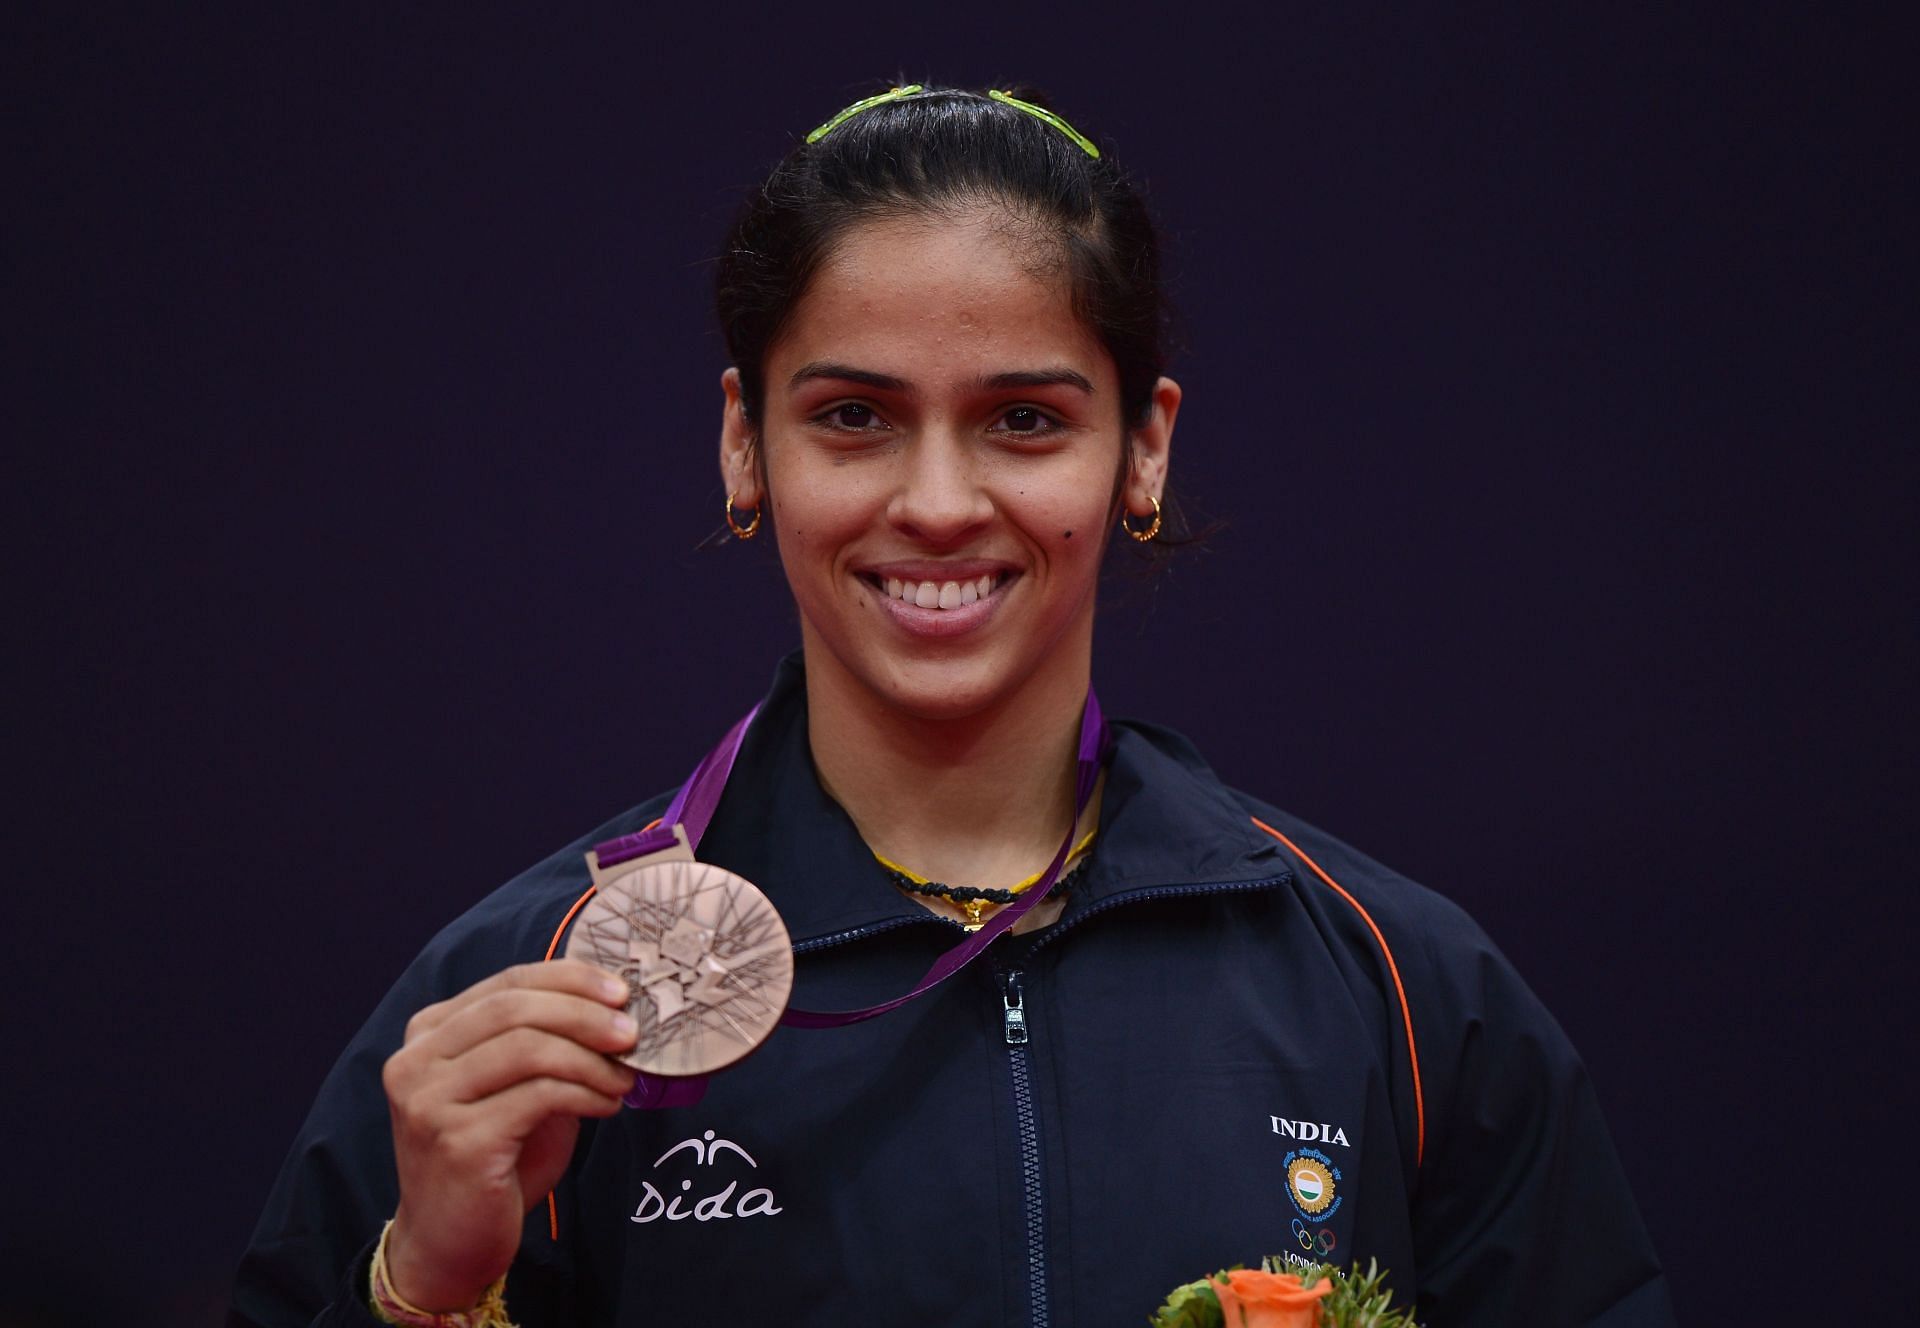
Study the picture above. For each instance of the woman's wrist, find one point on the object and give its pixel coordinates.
(485, 1309)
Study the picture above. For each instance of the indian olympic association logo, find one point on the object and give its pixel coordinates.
(1313, 1183)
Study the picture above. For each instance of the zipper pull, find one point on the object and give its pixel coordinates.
(1016, 1009)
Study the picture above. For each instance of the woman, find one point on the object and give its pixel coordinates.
(1221, 1034)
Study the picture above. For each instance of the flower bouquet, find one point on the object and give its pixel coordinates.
(1280, 1294)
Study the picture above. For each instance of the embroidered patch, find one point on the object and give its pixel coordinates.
(1312, 1183)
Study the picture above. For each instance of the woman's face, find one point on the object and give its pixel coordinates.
(941, 439)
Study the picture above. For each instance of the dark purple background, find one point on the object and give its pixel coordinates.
(1544, 367)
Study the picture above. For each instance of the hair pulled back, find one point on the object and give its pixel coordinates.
(943, 151)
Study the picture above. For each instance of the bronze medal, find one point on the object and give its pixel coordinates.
(706, 959)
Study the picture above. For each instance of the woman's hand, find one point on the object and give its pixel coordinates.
(486, 1097)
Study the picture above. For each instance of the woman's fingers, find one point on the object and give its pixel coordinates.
(572, 977)
(486, 1095)
(561, 1014)
(553, 1022)
(527, 1054)
(478, 1143)
(519, 1110)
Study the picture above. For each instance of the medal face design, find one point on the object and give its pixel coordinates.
(707, 962)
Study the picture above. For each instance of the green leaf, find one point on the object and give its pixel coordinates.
(1191, 1306)
(1361, 1300)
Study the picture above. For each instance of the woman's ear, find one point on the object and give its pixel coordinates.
(1152, 441)
(739, 465)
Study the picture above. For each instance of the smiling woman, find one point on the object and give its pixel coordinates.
(1101, 970)
(940, 426)
(938, 417)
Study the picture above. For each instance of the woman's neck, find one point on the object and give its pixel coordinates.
(979, 800)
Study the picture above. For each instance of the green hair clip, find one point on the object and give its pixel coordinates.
(891, 94)
(1042, 113)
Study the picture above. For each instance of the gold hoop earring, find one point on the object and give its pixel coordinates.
(1143, 535)
(752, 527)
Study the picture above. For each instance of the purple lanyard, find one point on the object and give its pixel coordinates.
(693, 807)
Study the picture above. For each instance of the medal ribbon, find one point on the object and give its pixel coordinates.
(692, 809)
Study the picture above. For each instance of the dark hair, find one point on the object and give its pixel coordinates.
(935, 151)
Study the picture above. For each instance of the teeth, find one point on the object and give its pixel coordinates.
(940, 594)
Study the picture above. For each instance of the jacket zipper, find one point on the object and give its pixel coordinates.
(1027, 1123)
(1014, 1029)
(1026, 1117)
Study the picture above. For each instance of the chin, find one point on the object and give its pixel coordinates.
(938, 680)
(940, 689)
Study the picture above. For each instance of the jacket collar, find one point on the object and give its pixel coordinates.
(1165, 820)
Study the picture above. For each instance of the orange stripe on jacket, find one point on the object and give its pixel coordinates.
(1406, 1015)
(553, 1209)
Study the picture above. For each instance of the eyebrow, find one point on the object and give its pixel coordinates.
(845, 373)
(999, 382)
(1036, 378)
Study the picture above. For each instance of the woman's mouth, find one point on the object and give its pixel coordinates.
(941, 606)
(940, 594)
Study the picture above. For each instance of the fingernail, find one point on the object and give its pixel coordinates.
(614, 988)
(624, 1026)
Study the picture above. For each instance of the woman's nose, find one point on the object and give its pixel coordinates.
(940, 499)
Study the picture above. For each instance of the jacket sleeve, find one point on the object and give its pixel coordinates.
(307, 1264)
(336, 1187)
(1522, 1213)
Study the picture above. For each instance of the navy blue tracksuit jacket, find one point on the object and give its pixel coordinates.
(1242, 1038)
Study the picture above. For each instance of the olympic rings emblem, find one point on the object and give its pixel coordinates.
(1319, 1242)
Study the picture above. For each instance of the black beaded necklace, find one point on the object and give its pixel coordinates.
(974, 899)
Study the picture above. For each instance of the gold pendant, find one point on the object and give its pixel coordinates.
(974, 908)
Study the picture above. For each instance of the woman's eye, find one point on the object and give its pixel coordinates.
(852, 416)
(1025, 419)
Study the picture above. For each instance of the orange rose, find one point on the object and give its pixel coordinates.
(1253, 1299)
